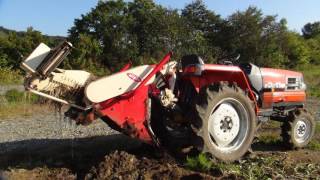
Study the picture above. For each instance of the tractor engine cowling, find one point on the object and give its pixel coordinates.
(282, 86)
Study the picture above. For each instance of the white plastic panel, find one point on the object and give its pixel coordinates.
(35, 58)
(117, 84)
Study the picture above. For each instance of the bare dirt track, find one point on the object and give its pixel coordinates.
(39, 147)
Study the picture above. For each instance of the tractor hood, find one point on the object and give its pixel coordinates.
(280, 79)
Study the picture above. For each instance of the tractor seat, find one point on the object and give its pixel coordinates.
(190, 60)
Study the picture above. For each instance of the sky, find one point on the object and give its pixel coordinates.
(55, 17)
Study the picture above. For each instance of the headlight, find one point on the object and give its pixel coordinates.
(302, 85)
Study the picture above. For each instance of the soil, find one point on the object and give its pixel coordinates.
(121, 165)
(38, 147)
(102, 157)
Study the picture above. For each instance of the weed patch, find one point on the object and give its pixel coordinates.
(258, 167)
(9, 76)
(15, 103)
(199, 163)
(315, 142)
(310, 72)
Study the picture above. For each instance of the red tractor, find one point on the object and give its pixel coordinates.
(214, 108)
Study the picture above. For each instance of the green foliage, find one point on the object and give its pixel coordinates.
(200, 29)
(315, 142)
(259, 167)
(9, 76)
(199, 163)
(296, 50)
(270, 139)
(311, 30)
(310, 73)
(14, 103)
(314, 49)
(14, 95)
(114, 32)
(314, 145)
(15, 46)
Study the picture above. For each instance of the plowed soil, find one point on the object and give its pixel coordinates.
(109, 157)
(114, 156)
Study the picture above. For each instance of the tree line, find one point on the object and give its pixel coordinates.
(117, 31)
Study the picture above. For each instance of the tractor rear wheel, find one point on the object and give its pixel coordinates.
(226, 121)
(298, 131)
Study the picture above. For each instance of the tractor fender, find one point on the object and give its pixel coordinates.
(214, 73)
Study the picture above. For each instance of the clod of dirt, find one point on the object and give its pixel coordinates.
(121, 165)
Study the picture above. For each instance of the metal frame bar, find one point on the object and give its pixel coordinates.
(58, 99)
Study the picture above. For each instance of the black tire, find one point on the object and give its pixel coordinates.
(211, 100)
(298, 130)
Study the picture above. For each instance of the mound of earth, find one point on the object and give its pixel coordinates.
(121, 165)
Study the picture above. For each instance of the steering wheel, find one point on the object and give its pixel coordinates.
(229, 60)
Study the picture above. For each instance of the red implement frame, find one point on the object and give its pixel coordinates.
(130, 111)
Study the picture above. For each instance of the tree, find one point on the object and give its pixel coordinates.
(201, 29)
(314, 49)
(140, 31)
(115, 31)
(17, 46)
(296, 50)
(311, 30)
(87, 52)
(103, 27)
(257, 38)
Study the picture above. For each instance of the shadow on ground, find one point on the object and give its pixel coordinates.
(270, 146)
(102, 157)
(82, 154)
(78, 155)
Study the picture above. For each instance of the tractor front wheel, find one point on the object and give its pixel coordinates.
(226, 121)
(298, 131)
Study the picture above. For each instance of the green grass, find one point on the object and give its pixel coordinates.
(15, 103)
(270, 139)
(314, 145)
(257, 167)
(247, 169)
(8, 76)
(199, 163)
(315, 142)
(311, 75)
(13, 96)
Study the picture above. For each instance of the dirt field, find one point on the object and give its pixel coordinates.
(39, 147)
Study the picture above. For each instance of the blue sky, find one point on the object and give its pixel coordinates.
(55, 17)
